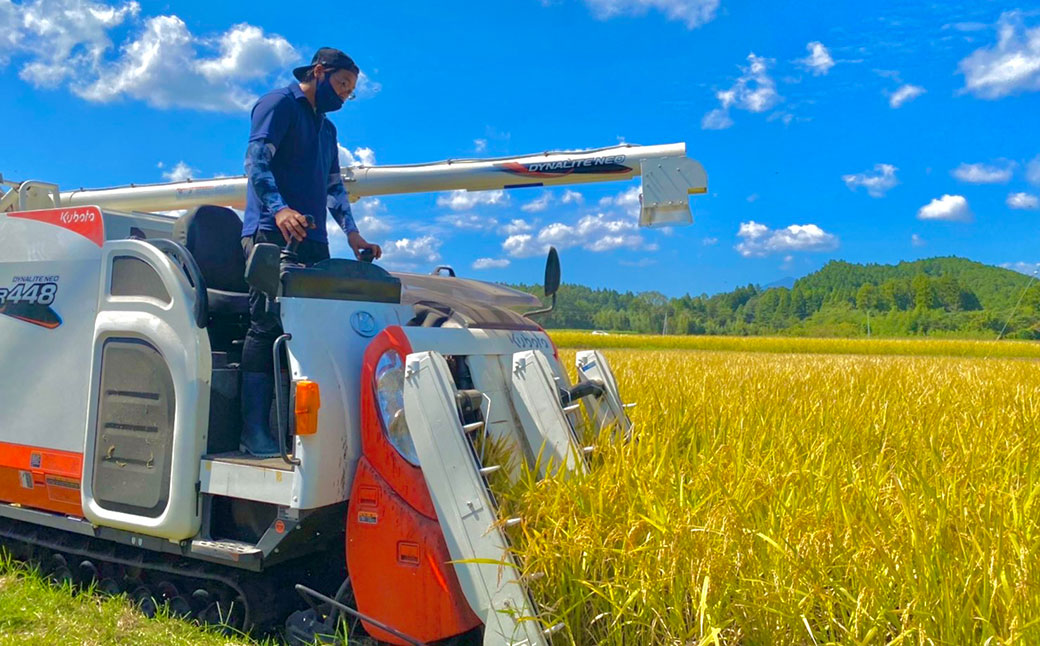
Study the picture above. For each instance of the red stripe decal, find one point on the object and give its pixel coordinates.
(84, 220)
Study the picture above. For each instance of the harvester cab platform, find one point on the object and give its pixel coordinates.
(400, 399)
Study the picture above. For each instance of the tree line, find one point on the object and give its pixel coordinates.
(937, 296)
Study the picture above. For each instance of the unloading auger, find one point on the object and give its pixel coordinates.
(119, 428)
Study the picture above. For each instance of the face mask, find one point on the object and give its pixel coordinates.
(325, 97)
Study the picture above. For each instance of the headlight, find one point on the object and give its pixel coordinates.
(390, 399)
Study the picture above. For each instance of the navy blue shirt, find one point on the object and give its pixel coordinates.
(305, 155)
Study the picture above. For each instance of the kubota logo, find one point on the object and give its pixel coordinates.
(76, 216)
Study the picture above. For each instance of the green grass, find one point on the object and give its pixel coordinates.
(905, 347)
(35, 612)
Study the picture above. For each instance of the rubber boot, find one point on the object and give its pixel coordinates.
(257, 392)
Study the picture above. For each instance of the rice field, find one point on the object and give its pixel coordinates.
(799, 499)
(820, 492)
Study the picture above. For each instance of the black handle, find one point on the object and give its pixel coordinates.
(181, 255)
(366, 255)
(289, 253)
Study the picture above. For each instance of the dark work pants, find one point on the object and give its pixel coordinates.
(264, 327)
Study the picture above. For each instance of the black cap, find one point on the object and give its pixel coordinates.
(330, 58)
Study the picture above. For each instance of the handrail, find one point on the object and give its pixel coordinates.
(283, 422)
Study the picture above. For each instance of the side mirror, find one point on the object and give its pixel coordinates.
(552, 272)
(263, 268)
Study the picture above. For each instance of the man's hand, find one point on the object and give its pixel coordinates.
(292, 224)
(357, 243)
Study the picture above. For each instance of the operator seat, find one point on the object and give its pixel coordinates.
(213, 235)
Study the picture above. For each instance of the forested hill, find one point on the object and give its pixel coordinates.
(937, 296)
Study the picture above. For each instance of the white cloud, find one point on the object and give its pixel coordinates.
(408, 254)
(163, 67)
(361, 156)
(514, 227)
(572, 197)
(917, 240)
(754, 91)
(480, 145)
(523, 245)
(819, 60)
(1023, 201)
(904, 94)
(692, 12)
(877, 183)
(717, 119)
(539, 204)
(1033, 171)
(708, 242)
(1009, 67)
(366, 87)
(368, 207)
(468, 221)
(60, 39)
(490, 263)
(371, 219)
(68, 42)
(462, 200)
(1028, 268)
(372, 226)
(950, 208)
(592, 232)
(983, 173)
(180, 173)
(759, 240)
(365, 156)
(628, 200)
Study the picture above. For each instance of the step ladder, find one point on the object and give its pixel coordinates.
(606, 409)
(466, 507)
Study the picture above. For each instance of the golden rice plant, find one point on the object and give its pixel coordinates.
(786, 344)
(799, 499)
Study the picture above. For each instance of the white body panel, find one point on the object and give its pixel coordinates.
(485, 568)
(326, 349)
(490, 355)
(45, 373)
(537, 402)
(248, 482)
(607, 410)
(185, 348)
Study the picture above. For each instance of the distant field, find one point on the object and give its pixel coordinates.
(799, 499)
(919, 347)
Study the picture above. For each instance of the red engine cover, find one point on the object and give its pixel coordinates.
(399, 565)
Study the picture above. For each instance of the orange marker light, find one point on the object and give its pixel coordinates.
(308, 401)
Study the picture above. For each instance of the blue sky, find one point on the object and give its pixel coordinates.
(869, 133)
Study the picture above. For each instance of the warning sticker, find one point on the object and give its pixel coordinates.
(26, 479)
(368, 517)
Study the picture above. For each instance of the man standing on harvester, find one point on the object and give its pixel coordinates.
(292, 166)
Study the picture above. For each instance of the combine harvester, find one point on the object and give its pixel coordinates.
(120, 336)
